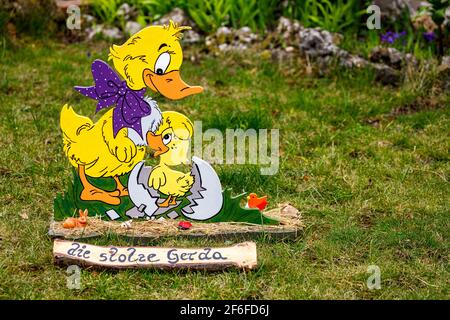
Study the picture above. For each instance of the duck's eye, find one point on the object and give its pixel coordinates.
(167, 138)
(162, 63)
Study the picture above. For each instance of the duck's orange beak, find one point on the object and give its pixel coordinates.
(156, 143)
(169, 84)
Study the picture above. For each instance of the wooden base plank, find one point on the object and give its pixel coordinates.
(290, 227)
(241, 256)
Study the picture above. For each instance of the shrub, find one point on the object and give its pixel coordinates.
(31, 17)
(334, 16)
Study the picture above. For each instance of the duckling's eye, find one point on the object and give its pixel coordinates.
(167, 138)
(162, 63)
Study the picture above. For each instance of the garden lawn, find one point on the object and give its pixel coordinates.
(366, 165)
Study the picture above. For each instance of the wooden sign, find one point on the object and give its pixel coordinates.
(242, 255)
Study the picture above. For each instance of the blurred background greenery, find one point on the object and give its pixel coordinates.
(42, 18)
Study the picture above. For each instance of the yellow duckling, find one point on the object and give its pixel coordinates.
(171, 143)
(149, 59)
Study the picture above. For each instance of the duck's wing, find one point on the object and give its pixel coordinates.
(157, 179)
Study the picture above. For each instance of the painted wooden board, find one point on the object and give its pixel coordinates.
(241, 256)
(146, 231)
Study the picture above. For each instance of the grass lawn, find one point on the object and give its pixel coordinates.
(366, 165)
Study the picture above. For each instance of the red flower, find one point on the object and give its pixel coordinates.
(184, 225)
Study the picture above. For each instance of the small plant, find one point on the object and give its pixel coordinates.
(150, 10)
(244, 13)
(210, 15)
(269, 11)
(334, 16)
(106, 10)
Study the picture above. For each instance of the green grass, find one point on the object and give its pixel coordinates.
(371, 183)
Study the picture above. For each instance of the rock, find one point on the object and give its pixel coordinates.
(228, 39)
(446, 62)
(223, 35)
(317, 43)
(383, 73)
(107, 32)
(191, 37)
(283, 42)
(444, 72)
(131, 27)
(319, 46)
(386, 75)
(223, 47)
(391, 57)
(280, 55)
(112, 33)
(245, 35)
(287, 209)
(125, 11)
(87, 20)
(288, 30)
(348, 60)
(93, 31)
(289, 49)
(177, 15)
(393, 9)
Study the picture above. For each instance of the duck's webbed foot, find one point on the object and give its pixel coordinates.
(92, 193)
(96, 194)
(166, 202)
(123, 191)
(173, 201)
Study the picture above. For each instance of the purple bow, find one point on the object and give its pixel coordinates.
(109, 90)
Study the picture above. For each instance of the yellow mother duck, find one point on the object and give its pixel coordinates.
(116, 142)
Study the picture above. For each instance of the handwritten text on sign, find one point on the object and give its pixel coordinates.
(242, 255)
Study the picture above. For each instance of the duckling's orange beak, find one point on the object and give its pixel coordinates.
(169, 84)
(156, 143)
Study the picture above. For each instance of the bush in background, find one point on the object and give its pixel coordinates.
(259, 15)
(31, 17)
